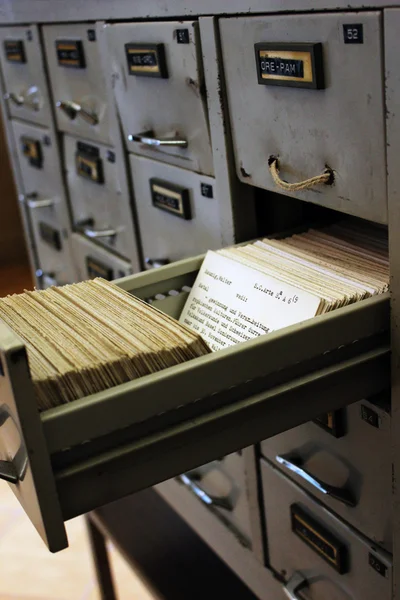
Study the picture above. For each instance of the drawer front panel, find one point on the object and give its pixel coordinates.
(77, 76)
(304, 538)
(177, 211)
(98, 199)
(25, 84)
(159, 91)
(340, 126)
(357, 464)
(93, 261)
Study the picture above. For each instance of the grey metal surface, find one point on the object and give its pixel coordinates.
(84, 86)
(165, 235)
(41, 183)
(84, 250)
(27, 79)
(169, 107)
(341, 126)
(289, 554)
(359, 462)
(98, 208)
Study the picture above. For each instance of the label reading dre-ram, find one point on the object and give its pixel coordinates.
(50, 235)
(70, 54)
(15, 51)
(88, 163)
(32, 150)
(171, 198)
(332, 422)
(146, 60)
(293, 65)
(319, 539)
(98, 269)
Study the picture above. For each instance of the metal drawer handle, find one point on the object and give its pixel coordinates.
(295, 464)
(155, 263)
(14, 470)
(208, 499)
(16, 99)
(148, 138)
(89, 117)
(295, 584)
(45, 203)
(71, 109)
(99, 233)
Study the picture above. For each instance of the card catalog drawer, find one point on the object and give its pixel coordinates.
(101, 207)
(160, 93)
(103, 447)
(93, 261)
(316, 552)
(349, 451)
(25, 83)
(308, 90)
(173, 204)
(77, 78)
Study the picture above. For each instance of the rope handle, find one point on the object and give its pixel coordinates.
(327, 178)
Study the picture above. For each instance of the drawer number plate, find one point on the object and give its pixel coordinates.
(32, 150)
(14, 50)
(293, 65)
(147, 60)
(50, 235)
(98, 269)
(70, 54)
(172, 198)
(319, 539)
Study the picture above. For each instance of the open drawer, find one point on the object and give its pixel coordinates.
(95, 450)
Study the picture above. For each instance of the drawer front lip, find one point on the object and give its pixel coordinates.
(290, 553)
(83, 248)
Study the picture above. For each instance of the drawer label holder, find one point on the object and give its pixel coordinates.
(70, 54)
(333, 422)
(32, 150)
(50, 235)
(171, 198)
(15, 51)
(290, 65)
(146, 60)
(88, 163)
(326, 545)
(96, 268)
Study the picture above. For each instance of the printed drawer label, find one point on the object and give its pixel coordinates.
(147, 60)
(50, 235)
(32, 150)
(171, 198)
(70, 54)
(15, 51)
(98, 269)
(295, 65)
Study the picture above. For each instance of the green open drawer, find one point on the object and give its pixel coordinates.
(71, 459)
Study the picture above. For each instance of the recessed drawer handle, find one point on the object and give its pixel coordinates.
(294, 585)
(295, 465)
(45, 203)
(99, 233)
(208, 499)
(148, 138)
(71, 109)
(155, 263)
(16, 99)
(327, 178)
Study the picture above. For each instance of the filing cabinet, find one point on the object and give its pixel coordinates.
(317, 554)
(100, 204)
(178, 211)
(344, 460)
(77, 79)
(25, 82)
(159, 91)
(45, 202)
(309, 99)
(94, 261)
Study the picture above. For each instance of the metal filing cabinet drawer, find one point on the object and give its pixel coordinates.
(159, 92)
(77, 78)
(100, 204)
(93, 261)
(308, 546)
(173, 204)
(25, 83)
(357, 464)
(45, 202)
(273, 66)
(221, 486)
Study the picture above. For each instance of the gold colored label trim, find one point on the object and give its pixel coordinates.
(321, 537)
(304, 57)
(169, 194)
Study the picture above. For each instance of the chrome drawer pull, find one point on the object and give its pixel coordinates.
(16, 99)
(296, 583)
(294, 464)
(99, 233)
(89, 117)
(221, 502)
(155, 263)
(71, 109)
(148, 138)
(45, 203)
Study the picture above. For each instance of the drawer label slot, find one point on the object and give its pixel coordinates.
(319, 539)
(70, 54)
(146, 60)
(333, 422)
(171, 198)
(293, 65)
(15, 51)
(50, 235)
(88, 162)
(97, 269)
(32, 150)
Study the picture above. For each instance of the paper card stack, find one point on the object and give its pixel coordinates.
(90, 336)
(246, 291)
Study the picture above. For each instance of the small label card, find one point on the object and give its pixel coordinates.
(231, 303)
